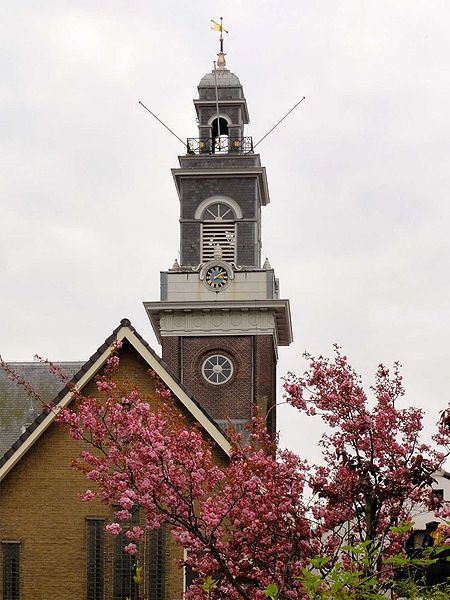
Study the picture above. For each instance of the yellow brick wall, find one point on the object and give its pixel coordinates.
(40, 507)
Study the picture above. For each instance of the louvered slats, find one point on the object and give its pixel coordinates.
(218, 234)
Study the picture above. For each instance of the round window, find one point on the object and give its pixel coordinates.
(217, 369)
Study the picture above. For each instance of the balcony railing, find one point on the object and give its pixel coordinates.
(220, 145)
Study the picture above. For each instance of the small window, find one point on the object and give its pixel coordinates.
(220, 135)
(11, 570)
(219, 127)
(95, 559)
(438, 494)
(125, 587)
(156, 563)
(217, 369)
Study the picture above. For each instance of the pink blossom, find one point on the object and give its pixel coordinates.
(88, 495)
(113, 361)
(113, 528)
(130, 549)
(136, 533)
(265, 512)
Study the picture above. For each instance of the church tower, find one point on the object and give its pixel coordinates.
(220, 319)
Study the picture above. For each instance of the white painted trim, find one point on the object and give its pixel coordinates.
(217, 355)
(279, 307)
(215, 200)
(185, 555)
(221, 115)
(123, 333)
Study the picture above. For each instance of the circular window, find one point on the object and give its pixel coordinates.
(217, 369)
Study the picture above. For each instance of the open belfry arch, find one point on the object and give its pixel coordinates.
(220, 319)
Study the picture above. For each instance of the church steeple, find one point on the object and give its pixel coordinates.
(220, 319)
(221, 167)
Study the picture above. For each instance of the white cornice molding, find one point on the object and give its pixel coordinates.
(280, 309)
(218, 323)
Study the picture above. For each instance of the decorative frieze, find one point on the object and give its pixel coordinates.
(218, 322)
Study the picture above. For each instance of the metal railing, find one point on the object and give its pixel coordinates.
(220, 145)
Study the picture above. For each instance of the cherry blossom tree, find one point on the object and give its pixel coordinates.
(376, 470)
(266, 524)
(245, 524)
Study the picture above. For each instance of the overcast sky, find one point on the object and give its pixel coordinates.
(358, 224)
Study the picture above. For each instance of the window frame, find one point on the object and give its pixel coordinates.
(95, 558)
(124, 585)
(227, 359)
(11, 585)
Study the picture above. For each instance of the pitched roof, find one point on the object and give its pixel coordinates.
(82, 373)
(17, 409)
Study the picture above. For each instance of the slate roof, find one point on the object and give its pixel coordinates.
(23, 421)
(17, 410)
(224, 78)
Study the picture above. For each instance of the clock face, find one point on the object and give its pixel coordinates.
(216, 277)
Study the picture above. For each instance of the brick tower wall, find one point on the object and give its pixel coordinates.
(253, 381)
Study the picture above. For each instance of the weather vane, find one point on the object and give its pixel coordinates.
(219, 27)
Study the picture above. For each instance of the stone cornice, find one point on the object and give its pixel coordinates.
(242, 102)
(278, 324)
(258, 172)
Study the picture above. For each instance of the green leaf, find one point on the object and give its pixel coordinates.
(138, 576)
(319, 561)
(402, 528)
(209, 584)
(271, 591)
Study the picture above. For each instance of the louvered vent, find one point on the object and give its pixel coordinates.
(218, 234)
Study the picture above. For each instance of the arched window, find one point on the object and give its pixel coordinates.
(218, 229)
(219, 211)
(220, 135)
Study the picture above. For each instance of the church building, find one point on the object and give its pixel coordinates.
(219, 320)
